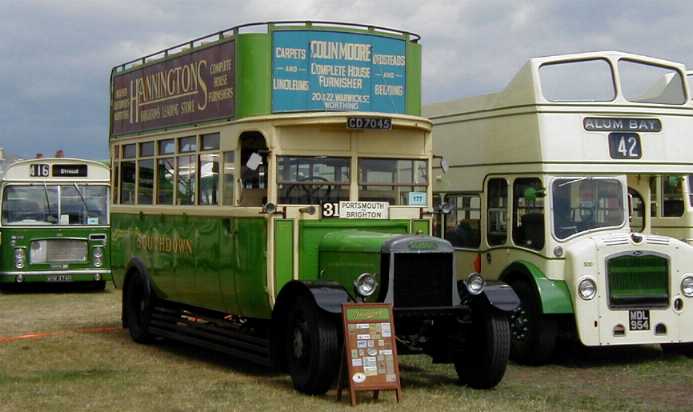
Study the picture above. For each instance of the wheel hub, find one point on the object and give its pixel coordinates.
(519, 324)
(298, 344)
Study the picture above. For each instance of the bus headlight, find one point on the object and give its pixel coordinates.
(587, 289)
(474, 283)
(19, 257)
(365, 285)
(687, 286)
(97, 256)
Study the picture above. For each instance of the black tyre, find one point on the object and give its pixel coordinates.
(685, 349)
(533, 333)
(138, 304)
(312, 347)
(482, 363)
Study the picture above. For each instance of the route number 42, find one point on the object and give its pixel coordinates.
(624, 146)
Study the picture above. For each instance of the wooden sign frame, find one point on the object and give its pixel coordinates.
(370, 350)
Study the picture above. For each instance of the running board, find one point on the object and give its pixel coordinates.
(170, 323)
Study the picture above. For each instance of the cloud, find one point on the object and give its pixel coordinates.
(56, 55)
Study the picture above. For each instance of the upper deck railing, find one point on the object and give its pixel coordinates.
(273, 25)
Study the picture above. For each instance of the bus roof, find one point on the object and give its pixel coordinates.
(564, 114)
(525, 89)
(57, 170)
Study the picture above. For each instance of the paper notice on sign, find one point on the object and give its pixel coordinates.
(364, 210)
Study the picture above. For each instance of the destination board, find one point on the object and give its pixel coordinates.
(370, 348)
(333, 71)
(194, 87)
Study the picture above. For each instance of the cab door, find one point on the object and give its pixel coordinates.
(496, 237)
(462, 228)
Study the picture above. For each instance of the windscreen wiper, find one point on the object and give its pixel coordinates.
(84, 202)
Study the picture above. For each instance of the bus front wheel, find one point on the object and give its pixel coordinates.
(533, 333)
(482, 363)
(312, 347)
(138, 308)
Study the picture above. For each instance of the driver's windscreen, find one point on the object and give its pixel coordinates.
(312, 180)
(55, 205)
(581, 204)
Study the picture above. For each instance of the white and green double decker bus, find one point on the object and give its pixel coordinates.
(538, 195)
(266, 174)
(54, 223)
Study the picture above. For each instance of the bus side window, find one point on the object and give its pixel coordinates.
(497, 201)
(128, 175)
(528, 213)
(463, 224)
(228, 178)
(672, 196)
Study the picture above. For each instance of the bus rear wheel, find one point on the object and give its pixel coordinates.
(482, 363)
(138, 304)
(312, 347)
(533, 333)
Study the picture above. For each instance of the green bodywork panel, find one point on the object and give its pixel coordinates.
(554, 294)
(420, 227)
(312, 232)
(220, 263)
(22, 238)
(253, 75)
(283, 252)
(413, 101)
(346, 254)
(215, 263)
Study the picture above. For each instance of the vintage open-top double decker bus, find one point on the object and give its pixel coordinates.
(538, 196)
(54, 223)
(265, 175)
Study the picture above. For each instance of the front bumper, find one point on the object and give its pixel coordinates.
(56, 276)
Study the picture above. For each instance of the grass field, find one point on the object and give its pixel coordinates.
(80, 359)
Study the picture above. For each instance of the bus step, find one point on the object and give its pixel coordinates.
(169, 324)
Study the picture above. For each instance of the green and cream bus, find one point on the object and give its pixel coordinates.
(537, 191)
(264, 176)
(54, 223)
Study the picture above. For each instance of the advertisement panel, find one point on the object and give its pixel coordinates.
(194, 87)
(332, 71)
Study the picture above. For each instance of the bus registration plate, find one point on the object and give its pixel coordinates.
(639, 319)
(60, 278)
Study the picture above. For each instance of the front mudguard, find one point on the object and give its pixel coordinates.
(497, 295)
(328, 297)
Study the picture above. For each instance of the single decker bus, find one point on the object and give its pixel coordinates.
(537, 195)
(54, 223)
(265, 175)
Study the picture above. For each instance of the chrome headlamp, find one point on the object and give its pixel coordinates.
(687, 286)
(365, 285)
(587, 289)
(475, 283)
(97, 256)
(19, 258)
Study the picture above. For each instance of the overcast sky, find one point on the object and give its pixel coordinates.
(55, 56)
